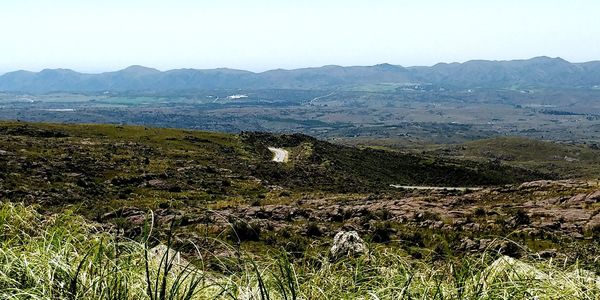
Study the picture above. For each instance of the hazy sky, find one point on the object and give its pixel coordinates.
(93, 36)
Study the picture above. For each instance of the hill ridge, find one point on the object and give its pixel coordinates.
(539, 71)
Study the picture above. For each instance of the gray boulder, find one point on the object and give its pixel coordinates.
(159, 255)
(347, 244)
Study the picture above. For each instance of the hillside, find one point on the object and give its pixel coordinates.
(246, 224)
(535, 72)
(58, 164)
(48, 257)
(564, 160)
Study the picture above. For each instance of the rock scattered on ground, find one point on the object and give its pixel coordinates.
(162, 255)
(347, 244)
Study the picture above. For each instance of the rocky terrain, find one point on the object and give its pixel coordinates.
(227, 186)
(106, 165)
(545, 217)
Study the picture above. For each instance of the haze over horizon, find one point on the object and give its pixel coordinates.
(265, 35)
(267, 70)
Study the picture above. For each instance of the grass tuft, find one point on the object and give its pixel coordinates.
(64, 257)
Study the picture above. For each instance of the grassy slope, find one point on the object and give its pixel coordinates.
(568, 161)
(93, 169)
(61, 257)
(111, 166)
(558, 159)
(339, 168)
(74, 164)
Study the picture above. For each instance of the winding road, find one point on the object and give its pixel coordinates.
(280, 155)
(321, 97)
(436, 188)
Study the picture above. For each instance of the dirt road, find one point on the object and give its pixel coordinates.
(412, 187)
(280, 155)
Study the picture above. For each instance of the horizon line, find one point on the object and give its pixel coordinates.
(299, 68)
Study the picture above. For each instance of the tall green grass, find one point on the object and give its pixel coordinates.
(64, 257)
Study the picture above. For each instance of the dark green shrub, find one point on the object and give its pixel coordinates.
(521, 218)
(480, 212)
(313, 230)
(243, 231)
(381, 232)
(412, 238)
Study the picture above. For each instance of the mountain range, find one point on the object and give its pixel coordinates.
(535, 72)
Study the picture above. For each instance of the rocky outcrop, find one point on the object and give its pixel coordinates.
(347, 244)
(162, 255)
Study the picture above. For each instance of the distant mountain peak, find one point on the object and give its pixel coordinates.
(56, 71)
(140, 70)
(549, 60)
(543, 57)
(328, 67)
(542, 71)
(21, 72)
(387, 66)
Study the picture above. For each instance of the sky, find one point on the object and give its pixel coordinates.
(95, 36)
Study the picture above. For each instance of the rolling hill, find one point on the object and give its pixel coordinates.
(564, 160)
(103, 199)
(103, 164)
